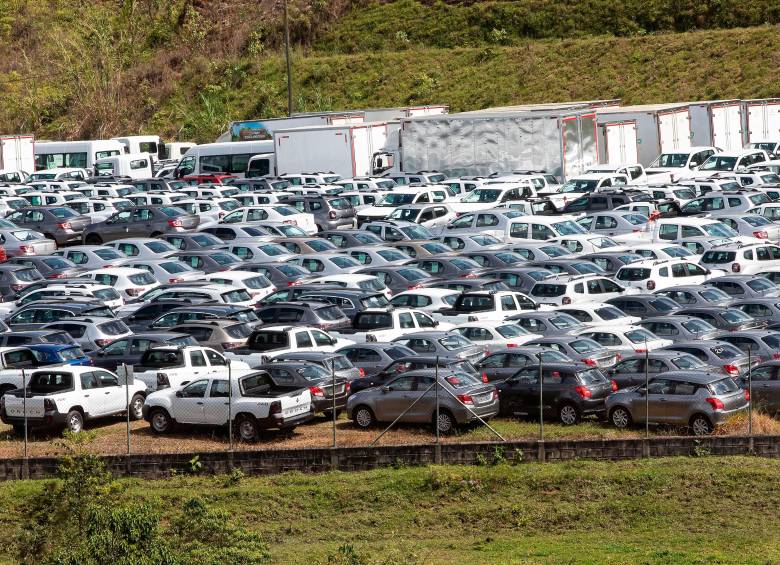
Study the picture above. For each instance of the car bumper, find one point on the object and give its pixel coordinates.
(485, 411)
(279, 422)
(721, 416)
(593, 406)
(326, 404)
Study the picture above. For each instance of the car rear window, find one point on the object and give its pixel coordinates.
(238, 295)
(268, 340)
(462, 380)
(373, 321)
(564, 321)
(638, 336)
(44, 383)
(609, 313)
(182, 340)
(398, 352)
(511, 330)
(374, 301)
(761, 283)
(28, 275)
(238, 331)
(718, 256)
(142, 279)
(454, 341)
(585, 346)
(548, 290)
(115, 327)
(723, 386)
(633, 274)
(162, 358)
(329, 313)
(257, 282)
(371, 284)
(71, 353)
(726, 351)
(590, 377)
(106, 294)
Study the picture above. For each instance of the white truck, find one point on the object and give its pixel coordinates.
(254, 402)
(270, 341)
(17, 154)
(67, 396)
(381, 325)
(172, 366)
(485, 306)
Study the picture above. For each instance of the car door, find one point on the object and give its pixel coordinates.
(142, 223)
(217, 363)
(678, 402)
(116, 226)
(216, 408)
(395, 397)
(91, 397)
(519, 392)
(112, 355)
(188, 404)
(112, 394)
(658, 392)
(198, 363)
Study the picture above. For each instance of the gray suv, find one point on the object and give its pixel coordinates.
(698, 400)
(329, 212)
(460, 396)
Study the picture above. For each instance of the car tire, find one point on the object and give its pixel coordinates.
(568, 414)
(701, 425)
(136, 407)
(620, 418)
(446, 423)
(74, 422)
(160, 421)
(19, 430)
(247, 429)
(93, 239)
(363, 417)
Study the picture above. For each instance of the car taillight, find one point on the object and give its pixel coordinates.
(134, 291)
(347, 386)
(618, 357)
(294, 283)
(760, 234)
(362, 371)
(232, 345)
(64, 226)
(650, 285)
(27, 249)
(484, 377)
(583, 391)
(747, 394)
(731, 370)
(56, 276)
(414, 287)
(332, 215)
(174, 280)
(495, 393)
(465, 399)
(48, 405)
(175, 223)
(316, 391)
(221, 215)
(275, 408)
(776, 356)
(511, 345)
(102, 342)
(614, 385)
(715, 403)
(162, 380)
(591, 362)
(566, 300)
(735, 268)
(640, 350)
(468, 276)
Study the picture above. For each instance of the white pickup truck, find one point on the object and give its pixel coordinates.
(67, 396)
(486, 306)
(253, 402)
(384, 326)
(173, 366)
(268, 342)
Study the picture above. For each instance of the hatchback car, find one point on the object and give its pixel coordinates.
(504, 363)
(633, 369)
(91, 332)
(716, 353)
(221, 335)
(697, 400)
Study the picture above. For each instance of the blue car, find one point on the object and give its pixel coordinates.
(59, 354)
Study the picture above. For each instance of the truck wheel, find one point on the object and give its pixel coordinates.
(136, 407)
(74, 421)
(363, 417)
(160, 421)
(247, 429)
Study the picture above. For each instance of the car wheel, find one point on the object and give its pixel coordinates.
(136, 407)
(446, 422)
(363, 417)
(93, 239)
(247, 429)
(74, 421)
(701, 425)
(160, 421)
(19, 430)
(568, 414)
(620, 418)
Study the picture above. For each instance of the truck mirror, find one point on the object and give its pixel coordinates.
(179, 394)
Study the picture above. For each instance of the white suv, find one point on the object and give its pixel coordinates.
(582, 288)
(743, 259)
(656, 275)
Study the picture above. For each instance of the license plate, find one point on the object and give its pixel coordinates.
(296, 410)
(484, 397)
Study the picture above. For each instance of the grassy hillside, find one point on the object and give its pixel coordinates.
(683, 510)
(185, 68)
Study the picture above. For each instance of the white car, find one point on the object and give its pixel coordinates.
(614, 223)
(378, 255)
(494, 193)
(325, 264)
(143, 247)
(207, 292)
(259, 251)
(730, 161)
(255, 284)
(492, 221)
(742, 259)
(649, 250)
(432, 216)
(268, 342)
(656, 275)
(582, 185)
(130, 283)
(412, 194)
(626, 339)
(273, 213)
(672, 166)
(166, 271)
(541, 228)
(633, 171)
(426, 299)
(58, 292)
(92, 256)
(564, 290)
(495, 336)
(585, 243)
(598, 314)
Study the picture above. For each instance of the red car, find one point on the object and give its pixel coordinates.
(211, 178)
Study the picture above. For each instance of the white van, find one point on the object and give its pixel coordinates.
(231, 157)
(174, 150)
(133, 165)
(134, 144)
(74, 154)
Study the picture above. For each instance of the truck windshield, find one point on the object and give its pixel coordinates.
(719, 163)
(671, 160)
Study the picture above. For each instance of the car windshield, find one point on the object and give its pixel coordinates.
(237, 295)
(454, 341)
(482, 195)
(671, 160)
(687, 362)
(580, 185)
(564, 321)
(719, 163)
(726, 351)
(719, 230)
(511, 330)
(142, 279)
(395, 199)
(585, 346)
(568, 228)
(109, 254)
(639, 336)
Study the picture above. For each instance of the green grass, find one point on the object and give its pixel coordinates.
(679, 510)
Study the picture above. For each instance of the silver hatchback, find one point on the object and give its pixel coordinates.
(698, 400)
(461, 396)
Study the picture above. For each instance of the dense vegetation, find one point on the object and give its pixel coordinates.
(185, 68)
(683, 510)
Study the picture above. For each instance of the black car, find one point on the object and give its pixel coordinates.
(351, 301)
(17, 339)
(371, 358)
(196, 313)
(129, 350)
(323, 315)
(448, 267)
(399, 278)
(148, 312)
(35, 315)
(318, 380)
(466, 285)
(569, 392)
(502, 364)
(414, 363)
(208, 260)
(521, 279)
(344, 239)
(611, 261)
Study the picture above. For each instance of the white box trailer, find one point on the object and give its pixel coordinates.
(719, 123)
(348, 150)
(638, 134)
(562, 142)
(394, 114)
(763, 120)
(17, 153)
(264, 128)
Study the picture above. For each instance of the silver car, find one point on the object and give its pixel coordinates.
(698, 400)
(20, 242)
(460, 397)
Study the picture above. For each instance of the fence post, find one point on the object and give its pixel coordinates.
(750, 400)
(25, 461)
(127, 402)
(647, 401)
(437, 447)
(230, 414)
(333, 396)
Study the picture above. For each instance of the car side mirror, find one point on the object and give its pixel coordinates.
(435, 323)
(386, 389)
(641, 391)
(693, 164)
(179, 394)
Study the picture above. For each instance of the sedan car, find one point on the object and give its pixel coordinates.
(208, 261)
(751, 225)
(140, 221)
(281, 275)
(166, 270)
(695, 295)
(493, 336)
(143, 248)
(679, 327)
(92, 256)
(547, 323)
(323, 264)
(626, 339)
(580, 349)
(399, 279)
(20, 242)
(334, 363)
(716, 353)
(184, 241)
(50, 266)
(723, 317)
(345, 239)
(415, 390)
(693, 399)
(442, 343)
(634, 368)
(745, 286)
(59, 223)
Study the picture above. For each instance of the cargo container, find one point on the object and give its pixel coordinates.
(720, 123)
(763, 120)
(561, 141)
(348, 150)
(638, 134)
(17, 153)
